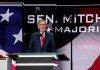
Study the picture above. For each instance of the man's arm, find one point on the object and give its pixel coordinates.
(30, 44)
(53, 47)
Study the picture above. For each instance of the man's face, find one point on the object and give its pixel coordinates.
(42, 26)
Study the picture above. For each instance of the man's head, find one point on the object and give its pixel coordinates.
(42, 25)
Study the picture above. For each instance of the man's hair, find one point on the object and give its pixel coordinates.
(40, 21)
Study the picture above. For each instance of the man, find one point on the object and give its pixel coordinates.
(42, 41)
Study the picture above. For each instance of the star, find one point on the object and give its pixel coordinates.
(37, 9)
(50, 26)
(56, 21)
(48, 30)
(6, 16)
(24, 34)
(18, 37)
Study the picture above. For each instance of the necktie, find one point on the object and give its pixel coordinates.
(42, 40)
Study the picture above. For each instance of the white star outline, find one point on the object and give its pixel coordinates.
(37, 9)
(48, 29)
(6, 16)
(18, 37)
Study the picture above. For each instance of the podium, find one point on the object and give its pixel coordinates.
(37, 61)
(5, 63)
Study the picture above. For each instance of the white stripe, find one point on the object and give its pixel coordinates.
(40, 5)
(36, 64)
(13, 62)
(3, 53)
(11, 3)
(21, 3)
(82, 5)
(60, 5)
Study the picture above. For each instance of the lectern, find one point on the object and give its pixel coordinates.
(37, 61)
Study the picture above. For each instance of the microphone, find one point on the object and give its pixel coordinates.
(40, 34)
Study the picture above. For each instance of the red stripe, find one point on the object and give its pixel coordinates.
(96, 65)
(89, 11)
(13, 67)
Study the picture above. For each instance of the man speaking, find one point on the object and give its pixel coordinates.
(42, 41)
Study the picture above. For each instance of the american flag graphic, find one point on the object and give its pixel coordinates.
(10, 30)
(85, 48)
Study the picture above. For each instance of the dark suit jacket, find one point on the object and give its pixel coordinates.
(48, 46)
